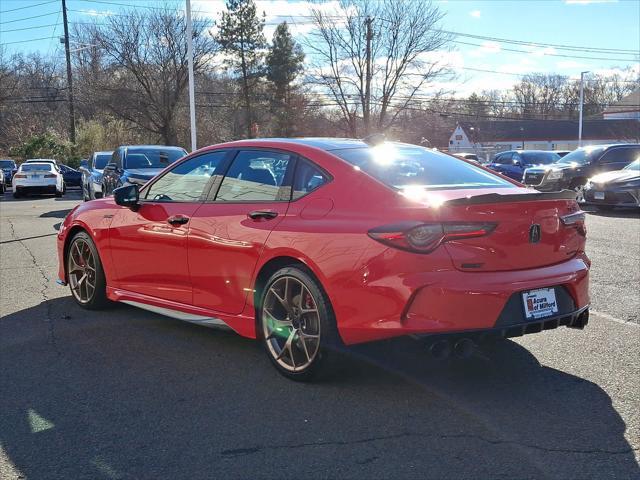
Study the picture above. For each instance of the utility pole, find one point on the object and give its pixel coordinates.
(366, 114)
(72, 117)
(192, 94)
(581, 108)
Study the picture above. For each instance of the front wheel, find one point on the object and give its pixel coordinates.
(85, 274)
(296, 324)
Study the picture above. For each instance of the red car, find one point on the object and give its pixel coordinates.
(314, 244)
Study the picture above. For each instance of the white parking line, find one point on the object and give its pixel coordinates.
(614, 319)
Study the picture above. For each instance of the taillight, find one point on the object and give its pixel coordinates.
(424, 238)
(576, 220)
(19, 175)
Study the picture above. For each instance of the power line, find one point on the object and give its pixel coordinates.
(549, 54)
(25, 41)
(30, 28)
(28, 18)
(615, 51)
(28, 6)
(536, 73)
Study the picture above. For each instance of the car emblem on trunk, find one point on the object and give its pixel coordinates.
(534, 233)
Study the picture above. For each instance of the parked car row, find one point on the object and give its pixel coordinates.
(127, 165)
(597, 173)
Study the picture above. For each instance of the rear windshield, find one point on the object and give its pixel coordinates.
(101, 161)
(399, 166)
(539, 158)
(152, 157)
(32, 167)
(583, 155)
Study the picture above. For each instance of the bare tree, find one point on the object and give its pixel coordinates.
(374, 57)
(144, 66)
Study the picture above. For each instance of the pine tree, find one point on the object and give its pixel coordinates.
(241, 39)
(284, 63)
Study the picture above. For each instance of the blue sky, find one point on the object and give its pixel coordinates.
(594, 24)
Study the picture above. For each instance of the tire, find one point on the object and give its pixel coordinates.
(58, 194)
(283, 339)
(79, 264)
(2, 188)
(16, 194)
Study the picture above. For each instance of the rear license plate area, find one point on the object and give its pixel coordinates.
(598, 195)
(540, 303)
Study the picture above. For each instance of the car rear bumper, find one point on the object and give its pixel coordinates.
(452, 301)
(577, 319)
(35, 188)
(618, 198)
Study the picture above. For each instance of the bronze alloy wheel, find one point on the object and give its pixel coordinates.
(81, 268)
(291, 324)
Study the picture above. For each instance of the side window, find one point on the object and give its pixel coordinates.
(504, 158)
(186, 182)
(257, 176)
(621, 155)
(308, 177)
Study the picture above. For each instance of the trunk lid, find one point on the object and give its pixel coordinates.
(530, 232)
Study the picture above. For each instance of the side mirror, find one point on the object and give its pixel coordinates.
(127, 196)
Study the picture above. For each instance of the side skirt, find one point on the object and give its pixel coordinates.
(187, 317)
(242, 324)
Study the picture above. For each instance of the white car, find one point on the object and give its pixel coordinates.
(38, 177)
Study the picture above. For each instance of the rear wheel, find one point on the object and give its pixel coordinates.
(296, 325)
(16, 193)
(84, 271)
(2, 188)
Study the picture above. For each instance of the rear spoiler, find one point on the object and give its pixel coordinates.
(534, 196)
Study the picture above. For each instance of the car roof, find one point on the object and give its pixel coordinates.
(609, 145)
(323, 143)
(152, 146)
(104, 152)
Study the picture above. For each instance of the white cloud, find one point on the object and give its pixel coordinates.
(569, 65)
(487, 47)
(475, 13)
(95, 13)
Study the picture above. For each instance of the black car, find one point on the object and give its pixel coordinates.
(574, 169)
(620, 188)
(8, 168)
(71, 176)
(137, 164)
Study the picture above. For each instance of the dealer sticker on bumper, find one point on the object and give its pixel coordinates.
(598, 195)
(540, 303)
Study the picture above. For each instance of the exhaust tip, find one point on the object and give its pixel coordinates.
(440, 349)
(464, 348)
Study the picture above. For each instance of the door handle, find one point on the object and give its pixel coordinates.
(177, 220)
(266, 214)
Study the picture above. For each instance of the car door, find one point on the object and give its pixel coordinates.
(149, 245)
(501, 161)
(227, 235)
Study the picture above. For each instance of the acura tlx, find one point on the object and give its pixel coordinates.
(312, 245)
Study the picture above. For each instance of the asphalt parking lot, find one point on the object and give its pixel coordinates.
(129, 394)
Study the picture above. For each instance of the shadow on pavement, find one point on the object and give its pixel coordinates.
(125, 393)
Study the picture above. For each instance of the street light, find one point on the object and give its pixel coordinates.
(581, 106)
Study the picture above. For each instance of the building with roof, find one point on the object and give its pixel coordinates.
(488, 137)
(628, 107)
